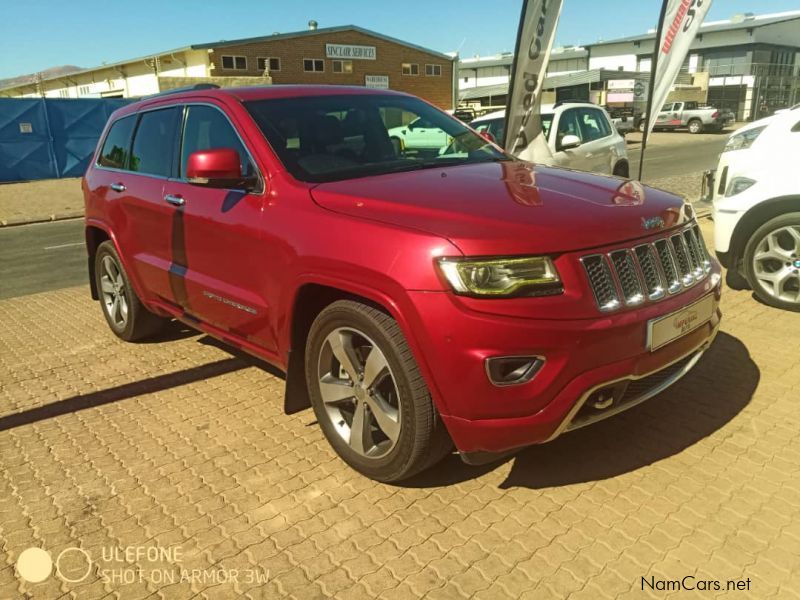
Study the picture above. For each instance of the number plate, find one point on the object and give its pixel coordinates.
(666, 329)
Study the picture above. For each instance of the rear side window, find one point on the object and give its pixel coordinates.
(594, 125)
(155, 141)
(207, 128)
(117, 144)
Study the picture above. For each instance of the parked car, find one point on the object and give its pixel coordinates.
(624, 120)
(419, 135)
(415, 302)
(756, 195)
(579, 135)
(689, 115)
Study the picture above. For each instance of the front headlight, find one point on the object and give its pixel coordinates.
(738, 185)
(743, 140)
(502, 277)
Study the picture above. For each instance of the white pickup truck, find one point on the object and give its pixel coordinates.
(691, 116)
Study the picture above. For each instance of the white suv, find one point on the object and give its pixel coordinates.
(756, 195)
(579, 135)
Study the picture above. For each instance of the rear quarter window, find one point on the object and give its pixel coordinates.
(117, 144)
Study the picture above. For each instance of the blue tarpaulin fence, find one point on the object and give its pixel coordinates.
(47, 138)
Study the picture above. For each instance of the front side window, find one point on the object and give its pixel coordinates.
(331, 138)
(207, 128)
(117, 145)
(155, 141)
(313, 65)
(568, 124)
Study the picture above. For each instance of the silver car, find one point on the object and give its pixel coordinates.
(579, 136)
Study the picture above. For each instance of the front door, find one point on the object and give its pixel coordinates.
(216, 236)
(571, 158)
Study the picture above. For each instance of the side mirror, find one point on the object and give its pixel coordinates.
(569, 141)
(487, 136)
(216, 167)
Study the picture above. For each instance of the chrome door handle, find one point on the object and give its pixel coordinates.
(118, 187)
(175, 199)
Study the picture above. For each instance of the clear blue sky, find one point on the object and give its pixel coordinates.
(36, 34)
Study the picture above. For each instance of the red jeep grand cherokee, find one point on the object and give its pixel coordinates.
(417, 296)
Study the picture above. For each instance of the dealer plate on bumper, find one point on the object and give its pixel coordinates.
(663, 330)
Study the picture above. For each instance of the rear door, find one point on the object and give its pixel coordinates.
(217, 242)
(131, 176)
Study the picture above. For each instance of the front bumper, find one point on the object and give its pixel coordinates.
(582, 356)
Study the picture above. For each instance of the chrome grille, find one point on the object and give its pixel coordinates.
(647, 272)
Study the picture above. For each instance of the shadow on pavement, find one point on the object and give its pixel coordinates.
(704, 401)
(122, 392)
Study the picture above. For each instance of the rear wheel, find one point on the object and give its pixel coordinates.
(368, 395)
(124, 312)
(621, 170)
(772, 262)
(695, 126)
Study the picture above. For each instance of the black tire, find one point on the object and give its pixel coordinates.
(139, 323)
(792, 262)
(621, 170)
(422, 440)
(695, 126)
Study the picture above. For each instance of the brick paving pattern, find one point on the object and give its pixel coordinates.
(183, 444)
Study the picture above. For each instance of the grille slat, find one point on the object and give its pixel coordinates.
(646, 255)
(647, 272)
(628, 278)
(603, 286)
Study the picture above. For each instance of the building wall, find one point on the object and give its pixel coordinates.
(389, 58)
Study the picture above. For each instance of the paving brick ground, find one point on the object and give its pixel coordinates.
(181, 444)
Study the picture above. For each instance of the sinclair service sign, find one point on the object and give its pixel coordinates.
(350, 52)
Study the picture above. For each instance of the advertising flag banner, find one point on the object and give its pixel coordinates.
(537, 26)
(682, 19)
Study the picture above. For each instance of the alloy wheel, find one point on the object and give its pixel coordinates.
(112, 286)
(776, 264)
(359, 392)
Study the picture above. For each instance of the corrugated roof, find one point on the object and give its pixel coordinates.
(312, 32)
(712, 28)
(265, 38)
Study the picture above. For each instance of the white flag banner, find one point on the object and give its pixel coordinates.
(682, 19)
(535, 37)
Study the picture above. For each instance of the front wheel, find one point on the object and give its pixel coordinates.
(772, 262)
(368, 395)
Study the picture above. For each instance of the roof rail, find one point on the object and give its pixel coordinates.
(562, 102)
(188, 88)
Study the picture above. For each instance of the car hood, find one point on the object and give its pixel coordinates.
(508, 207)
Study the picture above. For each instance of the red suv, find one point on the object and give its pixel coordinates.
(416, 297)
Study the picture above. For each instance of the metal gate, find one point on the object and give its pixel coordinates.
(46, 138)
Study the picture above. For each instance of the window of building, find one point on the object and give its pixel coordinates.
(83, 90)
(342, 66)
(313, 65)
(63, 93)
(206, 128)
(273, 63)
(117, 144)
(433, 70)
(237, 63)
(153, 149)
(410, 69)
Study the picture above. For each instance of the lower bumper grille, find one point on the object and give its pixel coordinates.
(620, 396)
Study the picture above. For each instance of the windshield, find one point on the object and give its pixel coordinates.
(330, 138)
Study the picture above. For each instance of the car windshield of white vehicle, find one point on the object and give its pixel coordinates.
(330, 138)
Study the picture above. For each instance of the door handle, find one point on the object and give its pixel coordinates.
(118, 187)
(175, 199)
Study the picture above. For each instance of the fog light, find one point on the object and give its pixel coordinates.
(513, 370)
